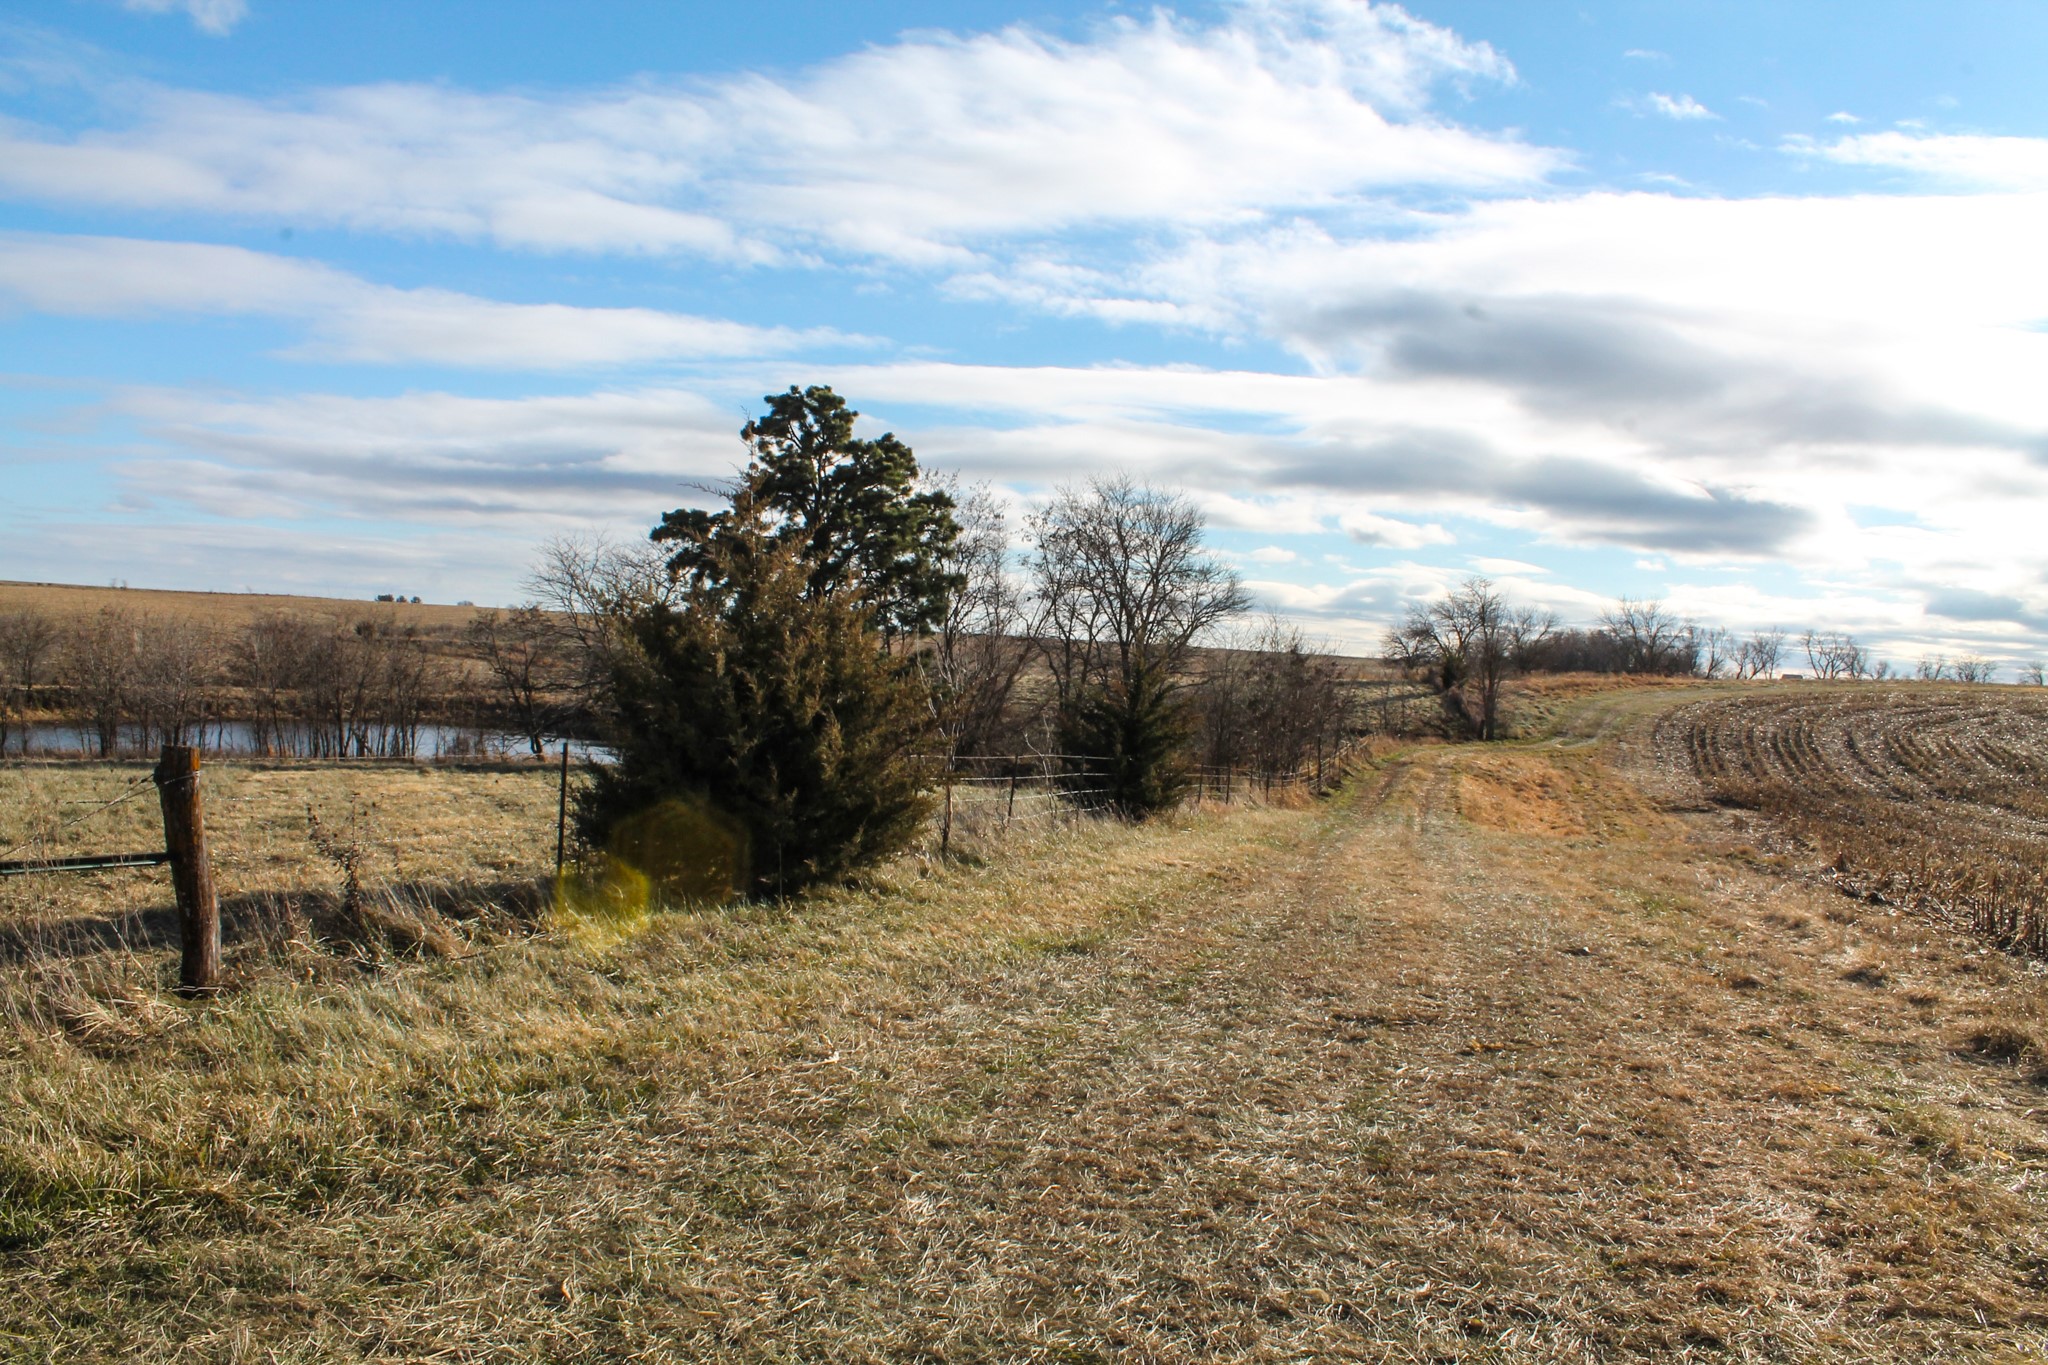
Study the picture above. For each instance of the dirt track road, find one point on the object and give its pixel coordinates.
(1489, 1062)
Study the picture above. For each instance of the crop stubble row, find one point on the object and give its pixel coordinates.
(1927, 797)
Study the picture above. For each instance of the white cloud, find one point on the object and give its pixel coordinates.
(352, 319)
(1843, 116)
(1681, 107)
(1392, 533)
(539, 464)
(1958, 161)
(1646, 54)
(914, 151)
(1271, 554)
(1333, 454)
(217, 17)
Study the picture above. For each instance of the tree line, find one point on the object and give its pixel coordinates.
(294, 684)
(1469, 642)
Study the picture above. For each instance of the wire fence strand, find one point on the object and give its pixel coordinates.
(133, 790)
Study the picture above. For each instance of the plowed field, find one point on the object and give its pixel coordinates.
(1929, 796)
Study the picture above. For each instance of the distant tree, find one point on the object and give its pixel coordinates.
(529, 661)
(1757, 657)
(1713, 649)
(271, 661)
(98, 665)
(1652, 639)
(1931, 668)
(1972, 668)
(28, 642)
(986, 638)
(1469, 642)
(1836, 655)
(593, 587)
(368, 690)
(28, 639)
(1296, 704)
(1127, 588)
(172, 680)
(850, 507)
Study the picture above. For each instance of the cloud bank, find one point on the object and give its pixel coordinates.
(912, 152)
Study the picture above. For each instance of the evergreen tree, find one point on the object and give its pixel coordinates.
(1130, 735)
(767, 735)
(754, 707)
(849, 507)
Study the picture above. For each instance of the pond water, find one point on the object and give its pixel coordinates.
(237, 738)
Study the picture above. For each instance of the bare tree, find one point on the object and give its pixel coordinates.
(1757, 657)
(1471, 641)
(368, 691)
(1931, 668)
(1296, 705)
(595, 587)
(982, 645)
(2033, 674)
(1126, 588)
(97, 664)
(1652, 639)
(271, 662)
(1713, 649)
(1125, 581)
(28, 645)
(1972, 668)
(172, 680)
(1836, 654)
(530, 657)
(28, 640)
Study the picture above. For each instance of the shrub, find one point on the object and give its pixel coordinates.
(771, 713)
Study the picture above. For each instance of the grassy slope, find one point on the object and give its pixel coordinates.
(1493, 1058)
(69, 602)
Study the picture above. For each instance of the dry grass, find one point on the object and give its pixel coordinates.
(70, 602)
(421, 825)
(1368, 1080)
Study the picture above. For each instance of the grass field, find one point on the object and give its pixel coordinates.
(1523, 1052)
(69, 602)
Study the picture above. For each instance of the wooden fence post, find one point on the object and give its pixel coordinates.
(177, 789)
(946, 829)
(562, 817)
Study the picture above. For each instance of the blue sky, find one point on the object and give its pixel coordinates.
(1740, 306)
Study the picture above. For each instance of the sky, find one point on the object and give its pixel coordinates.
(1741, 307)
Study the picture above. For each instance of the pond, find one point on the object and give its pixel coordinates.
(46, 739)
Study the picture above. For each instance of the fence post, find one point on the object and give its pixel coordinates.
(946, 829)
(1011, 809)
(562, 817)
(177, 789)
